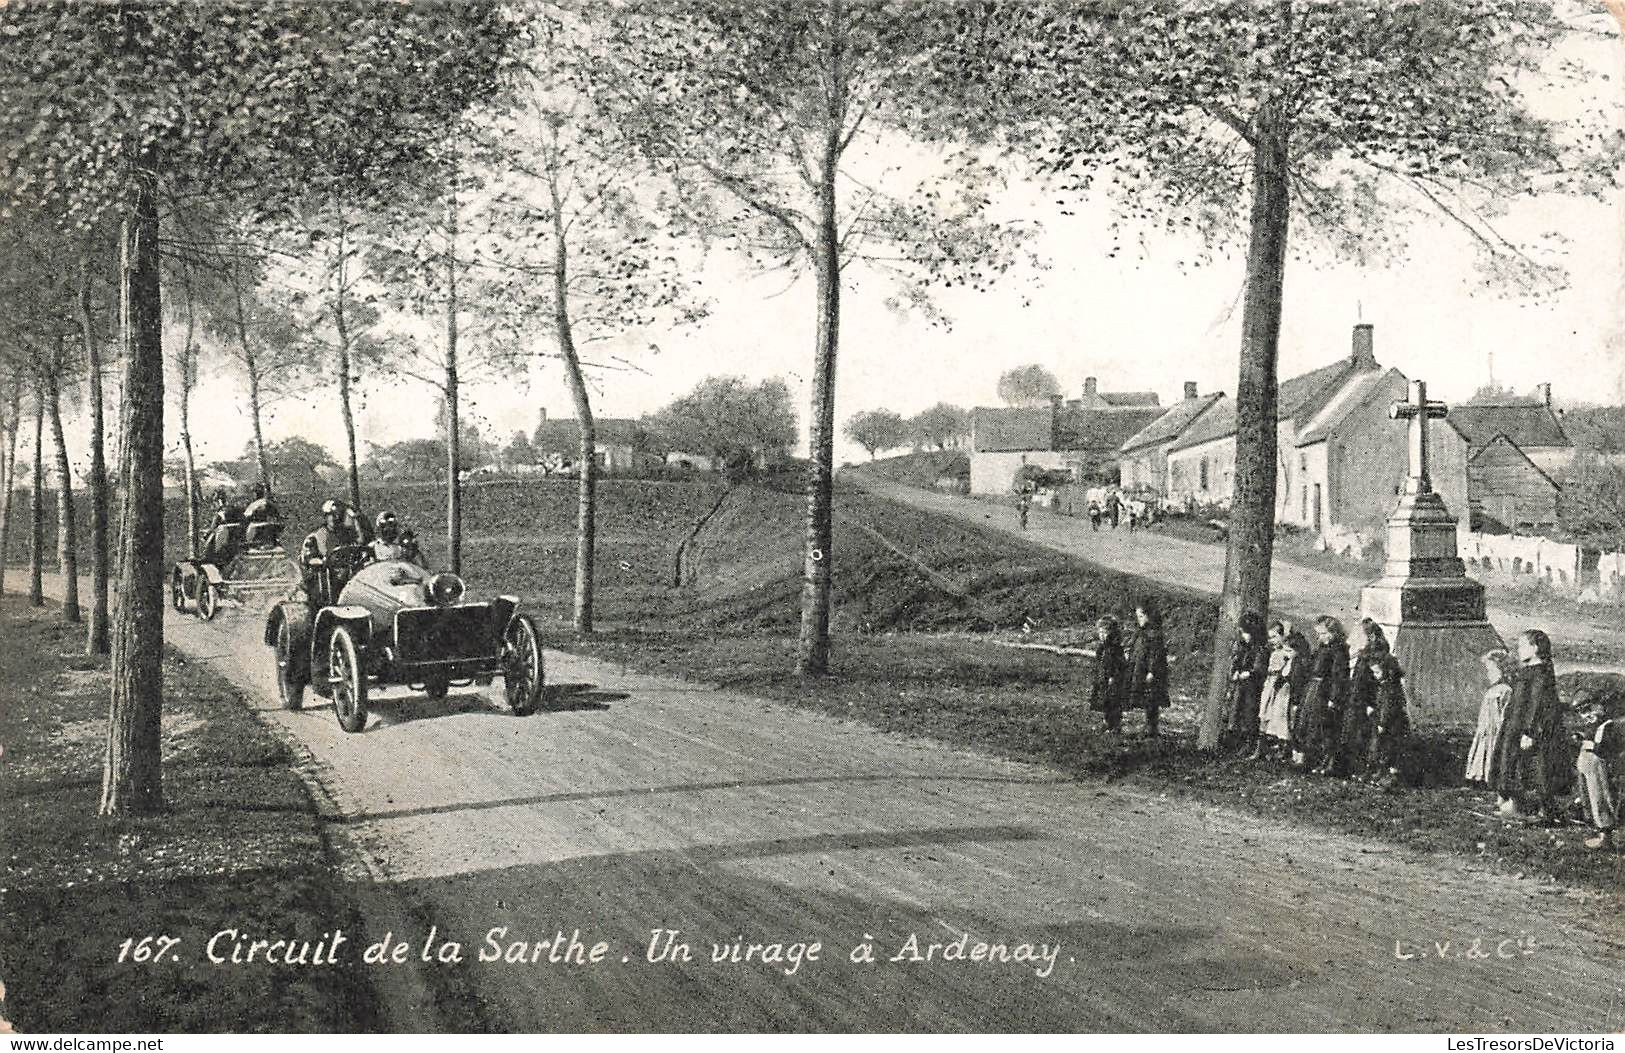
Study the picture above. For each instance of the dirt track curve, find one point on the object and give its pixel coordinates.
(1299, 590)
(652, 804)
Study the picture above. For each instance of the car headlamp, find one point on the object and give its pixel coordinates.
(445, 590)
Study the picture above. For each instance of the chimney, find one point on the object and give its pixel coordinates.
(1088, 387)
(1545, 391)
(1364, 355)
(544, 414)
(1190, 389)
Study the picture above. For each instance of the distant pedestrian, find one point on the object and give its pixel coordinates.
(1133, 519)
(1391, 723)
(1531, 761)
(1316, 736)
(1500, 670)
(1114, 508)
(1249, 665)
(1110, 687)
(1024, 501)
(1094, 516)
(1360, 716)
(1148, 666)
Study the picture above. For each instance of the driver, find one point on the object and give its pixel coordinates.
(221, 544)
(336, 530)
(392, 543)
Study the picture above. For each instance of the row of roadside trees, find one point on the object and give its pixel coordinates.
(477, 185)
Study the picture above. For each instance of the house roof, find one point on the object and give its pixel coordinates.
(1004, 430)
(1523, 424)
(1078, 428)
(1128, 399)
(1298, 399)
(562, 436)
(1501, 443)
(1172, 423)
(1344, 401)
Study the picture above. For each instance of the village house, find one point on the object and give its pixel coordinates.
(1081, 435)
(1340, 458)
(1517, 454)
(1143, 459)
(622, 444)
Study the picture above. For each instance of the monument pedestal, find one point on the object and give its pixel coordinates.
(1432, 612)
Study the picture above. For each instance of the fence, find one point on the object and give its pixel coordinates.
(1571, 569)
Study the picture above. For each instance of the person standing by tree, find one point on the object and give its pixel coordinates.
(1249, 665)
(1148, 666)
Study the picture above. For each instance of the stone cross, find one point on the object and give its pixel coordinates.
(1418, 410)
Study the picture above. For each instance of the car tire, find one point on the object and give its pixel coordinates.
(349, 682)
(208, 604)
(436, 687)
(523, 675)
(288, 685)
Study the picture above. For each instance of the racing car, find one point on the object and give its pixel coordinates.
(362, 623)
(257, 569)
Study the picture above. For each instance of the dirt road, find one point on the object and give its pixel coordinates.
(648, 804)
(1294, 588)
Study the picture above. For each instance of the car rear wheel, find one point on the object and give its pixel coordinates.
(522, 673)
(288, 685)
(207, 602)
(349, 682)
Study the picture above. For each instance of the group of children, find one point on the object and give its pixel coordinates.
(1342, 715)
(1332, 714)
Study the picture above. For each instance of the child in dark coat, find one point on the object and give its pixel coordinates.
(1249, 665)
(1531, 762)
(1360, 717)
(1148, 666)
(1391, 723)
(1110, 685)
(1317, 735)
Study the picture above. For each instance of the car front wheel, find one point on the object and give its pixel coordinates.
(206, 600)
(288, 685)
(522, 674)
(349, 682)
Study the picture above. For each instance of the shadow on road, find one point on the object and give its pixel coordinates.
(647, 791)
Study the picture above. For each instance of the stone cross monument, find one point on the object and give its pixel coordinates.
(1431, 610)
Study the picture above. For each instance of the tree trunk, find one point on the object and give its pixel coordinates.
(812, 646)
(188, 380)
(1252, 508)
(67, 555)
(587, 476)
(132, 775)
(36, 505)
(8, 472)
(812, 652)
(252, 367)
(96, 633)
(342, 325)
(454, 484)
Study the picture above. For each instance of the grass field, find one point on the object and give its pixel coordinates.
(239, 846)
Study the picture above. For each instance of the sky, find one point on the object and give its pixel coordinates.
(1147, 319)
